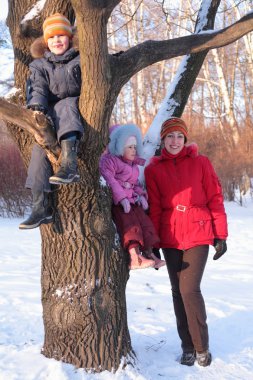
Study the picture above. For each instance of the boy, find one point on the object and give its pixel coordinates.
(53, 88)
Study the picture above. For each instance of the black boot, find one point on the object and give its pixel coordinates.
(68, 169)
(41, 212)
(188, 358)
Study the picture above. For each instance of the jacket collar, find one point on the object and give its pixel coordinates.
(66, 57)
(165, 155)
(188, 150)
(137, 161)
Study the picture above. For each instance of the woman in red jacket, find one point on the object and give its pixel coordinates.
(187, 210)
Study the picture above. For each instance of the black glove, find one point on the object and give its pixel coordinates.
(220, 247)
(37, 107)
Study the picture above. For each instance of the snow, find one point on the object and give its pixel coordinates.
(35, 11)
(227, 288)
(6, 61)
(4, 9)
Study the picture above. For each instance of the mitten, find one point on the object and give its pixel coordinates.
(143, 202)
(126, 205)
(220, 247)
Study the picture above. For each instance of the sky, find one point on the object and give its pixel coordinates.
(4, 9)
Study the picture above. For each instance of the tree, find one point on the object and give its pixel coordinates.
(84, 271)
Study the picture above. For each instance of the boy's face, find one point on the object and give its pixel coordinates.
(58, 44)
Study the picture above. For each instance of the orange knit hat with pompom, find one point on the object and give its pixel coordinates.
(174, 124)
(57, 24)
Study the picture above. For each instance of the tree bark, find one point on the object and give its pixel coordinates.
(84, 271)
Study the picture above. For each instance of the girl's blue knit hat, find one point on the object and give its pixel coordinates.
(119, 136)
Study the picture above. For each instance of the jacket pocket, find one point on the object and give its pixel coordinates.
(201, 227)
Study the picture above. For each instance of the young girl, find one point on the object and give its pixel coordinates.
(119, 167)
(53, 88)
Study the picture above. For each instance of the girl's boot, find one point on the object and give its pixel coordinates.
(158, 262)
(137, 261)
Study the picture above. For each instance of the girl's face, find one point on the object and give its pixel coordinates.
(58, 44)
(130, 152)
(174, 142)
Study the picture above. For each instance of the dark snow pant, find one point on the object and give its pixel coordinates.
(67, 119)
(185, 270)
(134, 228)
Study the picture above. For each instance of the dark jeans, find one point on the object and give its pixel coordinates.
(185, 270)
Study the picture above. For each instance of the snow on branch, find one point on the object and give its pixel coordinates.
(34, 11)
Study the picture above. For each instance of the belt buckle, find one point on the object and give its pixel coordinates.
(181, 208)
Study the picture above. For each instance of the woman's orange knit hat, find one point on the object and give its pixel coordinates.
(57, 24)
(174, 124)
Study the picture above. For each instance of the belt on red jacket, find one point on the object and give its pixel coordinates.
(183, 208)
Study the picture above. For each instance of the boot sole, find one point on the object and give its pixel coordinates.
(133, 267)
(160, 265)
(47, 220)
(61, 181)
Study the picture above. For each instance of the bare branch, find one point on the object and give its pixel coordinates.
(150, 52)
(35, 123)
(85, 5)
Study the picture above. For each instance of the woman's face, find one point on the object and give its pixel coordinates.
(130, 152)
(58, 44)
(174, 142)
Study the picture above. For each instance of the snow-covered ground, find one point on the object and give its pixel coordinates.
(227, 287)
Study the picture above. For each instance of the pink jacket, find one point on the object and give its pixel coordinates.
(122, 177)
(185, 198)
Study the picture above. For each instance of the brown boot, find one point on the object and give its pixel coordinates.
(158, 262)
(137, 261)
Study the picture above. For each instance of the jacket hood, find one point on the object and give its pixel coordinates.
(119, 136)
(39, 47)
(190, 150)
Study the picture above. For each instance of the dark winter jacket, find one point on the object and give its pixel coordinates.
(53, 77)
(185, 198)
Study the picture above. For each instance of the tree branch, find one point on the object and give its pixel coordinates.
(106, 6)
(149, 52)
(35, 123)
(192, 63)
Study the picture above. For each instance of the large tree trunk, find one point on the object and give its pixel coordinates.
(84, 272)
(83, 282)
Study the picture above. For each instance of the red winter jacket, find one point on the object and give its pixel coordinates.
(185, 198)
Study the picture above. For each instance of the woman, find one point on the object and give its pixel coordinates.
(187, 210)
